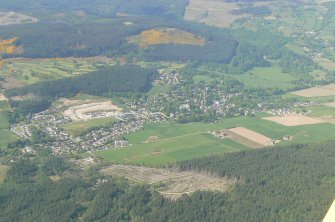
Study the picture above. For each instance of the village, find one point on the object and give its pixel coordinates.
(51, 122)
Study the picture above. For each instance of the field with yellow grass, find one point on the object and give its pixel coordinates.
(166, 36)
(6, 46)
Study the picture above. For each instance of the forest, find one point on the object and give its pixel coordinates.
(104, 82)
(288, 184)
(101, 8)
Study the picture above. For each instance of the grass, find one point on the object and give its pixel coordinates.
(202, 78)
(3, 173)
(176, 142)
(75, 128)
(6, 136)
(266, 77)
(159, 89)
(320, 111)
(29, 71)
(172, 149)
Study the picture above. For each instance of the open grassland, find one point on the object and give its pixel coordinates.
(3, 173)
(166, 36)
(6, 136)
(215, 13)
(75, 128)
(28, 71)
(266, 77)
(169, 150)
(159, 144)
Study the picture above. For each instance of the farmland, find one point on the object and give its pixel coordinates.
(160, 144)
(267, 77)
(318, 91)
(293, 120)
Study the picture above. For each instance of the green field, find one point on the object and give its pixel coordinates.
(3, 173)
(176, 142)
(266, 77)
(173, 149)
(75, 128)
(6, 136)
(202, 78)
(28, 71)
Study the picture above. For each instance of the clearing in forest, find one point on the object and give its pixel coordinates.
(171, 183)
(252, 136)
(6, 46)
(294, 120)
(3, 98)
(166, 36)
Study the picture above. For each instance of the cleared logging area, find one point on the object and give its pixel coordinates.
(171, 184)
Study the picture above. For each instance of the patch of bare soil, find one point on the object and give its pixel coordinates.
(252, 136)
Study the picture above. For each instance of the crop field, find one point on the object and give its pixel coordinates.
(293, 120)
(28, 71)
(320, 91)
(166, 36)
(171, 184)
(159, 144)
(252, 136)
(75, 128)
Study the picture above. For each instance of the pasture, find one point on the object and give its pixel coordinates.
(3, 173)
(6, 136)
(75, 128)
(266, 77)
(177, 142)
(28, 71)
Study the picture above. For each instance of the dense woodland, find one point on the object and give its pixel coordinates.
(104, 82)
(288, 184)
(101, 8)
(126, 81)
